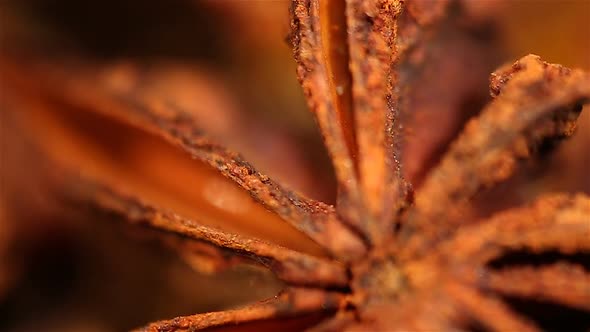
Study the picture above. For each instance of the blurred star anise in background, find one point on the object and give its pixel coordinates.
(76, 255)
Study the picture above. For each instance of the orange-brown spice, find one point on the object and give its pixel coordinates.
(379, 259)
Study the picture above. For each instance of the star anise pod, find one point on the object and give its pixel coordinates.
(384, 258)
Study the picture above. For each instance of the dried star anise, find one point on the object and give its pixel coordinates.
(385, 257)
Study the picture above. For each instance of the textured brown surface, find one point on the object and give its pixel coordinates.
(289, 302)
(113, 96)
(291, 266)
(535, 104)
(377, 260)
(331, 112)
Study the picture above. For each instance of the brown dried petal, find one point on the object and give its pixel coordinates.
(107, 96)
(372, 29)
(347, 85)
(558, 222)
(321, 61)
(488, 310)
(292, 302)
(562, 283)
(539, 102)
(290, 266)
(553, 223)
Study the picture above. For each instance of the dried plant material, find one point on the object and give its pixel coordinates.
(291, 266)
(565, 283)
(288, 303)
(443, 67)
(535, 104)
(377, 260)
(327, 90)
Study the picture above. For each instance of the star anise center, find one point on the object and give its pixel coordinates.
(377, 279)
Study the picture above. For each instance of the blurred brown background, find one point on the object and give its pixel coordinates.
(98, 277)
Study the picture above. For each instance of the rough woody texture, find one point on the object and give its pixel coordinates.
(383, 258)
(291, 266)
(290, 302)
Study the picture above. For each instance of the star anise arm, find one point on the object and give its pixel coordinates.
(561, 283)
(345, 53)
(483, 262)
(318, 35)
(535, 103)
(290, 266)
(313, 218)
(393, 47)
(120, 98)
(556, 222)
(479, 255)
(487, 310)
(357, 62)
(372, 28)
(292, 302)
